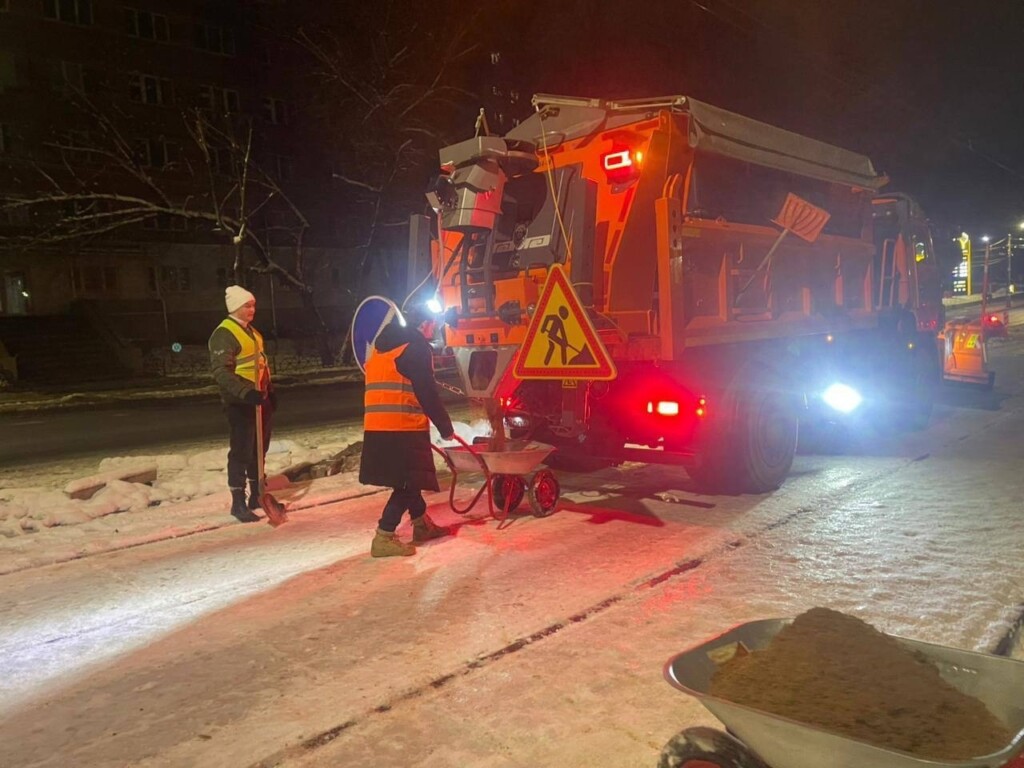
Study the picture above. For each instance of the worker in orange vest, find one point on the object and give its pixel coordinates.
(240, 369)
(401, 396)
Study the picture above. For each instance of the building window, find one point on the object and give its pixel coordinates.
(166, 222)
(215, 39)
(275, 111)
(148, 89)
(175, 279)
(67, 77)
(95, 279)
(222, 160)
(213, 98)
(4, 6)
(156, 153)
(69, 11)
(146, 25)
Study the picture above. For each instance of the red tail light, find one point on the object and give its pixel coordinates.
(622, 164)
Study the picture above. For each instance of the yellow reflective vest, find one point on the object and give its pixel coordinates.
(390, 403)
(251, 358)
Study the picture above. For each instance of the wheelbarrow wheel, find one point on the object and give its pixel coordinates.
(543, 493)
(507, 488)
(707, 748)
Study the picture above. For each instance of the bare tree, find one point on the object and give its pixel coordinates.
(100, 181)
(394, 81)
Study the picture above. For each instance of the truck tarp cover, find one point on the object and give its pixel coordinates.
(711, 130)
(726, 133)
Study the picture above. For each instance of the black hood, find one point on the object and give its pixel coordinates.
(395, 335)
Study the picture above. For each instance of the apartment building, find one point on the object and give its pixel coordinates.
(85, 84)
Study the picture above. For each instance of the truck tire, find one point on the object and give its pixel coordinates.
(753, 453)
(917, 393)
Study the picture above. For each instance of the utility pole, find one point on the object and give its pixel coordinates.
(1009, 273)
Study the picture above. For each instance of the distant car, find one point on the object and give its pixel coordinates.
(994, 327)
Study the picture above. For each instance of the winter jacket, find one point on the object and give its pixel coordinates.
(403, 459)
(225, 351)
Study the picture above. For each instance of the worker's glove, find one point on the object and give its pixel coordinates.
(448, 438)
(254, 397)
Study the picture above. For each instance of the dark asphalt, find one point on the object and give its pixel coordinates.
(27, 438)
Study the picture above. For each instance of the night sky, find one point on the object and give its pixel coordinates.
(931, 90)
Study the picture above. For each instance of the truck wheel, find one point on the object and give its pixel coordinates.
(755, 452)
(707, 748)
(917, 397)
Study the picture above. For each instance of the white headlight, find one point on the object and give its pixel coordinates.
(842, 398)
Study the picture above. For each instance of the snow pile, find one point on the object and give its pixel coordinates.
(178, 478)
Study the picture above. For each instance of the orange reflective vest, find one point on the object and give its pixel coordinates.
(390, 403)
(251, 357)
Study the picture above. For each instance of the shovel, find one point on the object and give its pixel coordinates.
(273, 508)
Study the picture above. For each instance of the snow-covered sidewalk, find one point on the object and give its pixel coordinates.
(175, 494)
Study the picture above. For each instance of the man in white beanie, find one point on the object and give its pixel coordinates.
(243, 376)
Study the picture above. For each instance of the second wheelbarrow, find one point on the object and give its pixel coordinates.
(510, 475)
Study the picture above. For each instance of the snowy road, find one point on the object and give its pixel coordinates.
(538, 645)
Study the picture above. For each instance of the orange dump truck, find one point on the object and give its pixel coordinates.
(728, 320)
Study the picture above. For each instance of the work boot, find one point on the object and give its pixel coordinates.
(239, 510)
(425, 529)
(254, 495)
(387, 544)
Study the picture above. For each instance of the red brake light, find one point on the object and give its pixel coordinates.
(617, 161)
(622, 164)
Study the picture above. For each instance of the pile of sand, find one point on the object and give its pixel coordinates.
(841, 674)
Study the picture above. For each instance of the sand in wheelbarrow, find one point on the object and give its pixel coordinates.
(836, 672)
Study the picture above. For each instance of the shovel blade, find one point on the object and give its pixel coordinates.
(274, 510)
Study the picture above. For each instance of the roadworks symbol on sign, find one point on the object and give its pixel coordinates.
(561, 342)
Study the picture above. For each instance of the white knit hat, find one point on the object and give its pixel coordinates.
(235, 296)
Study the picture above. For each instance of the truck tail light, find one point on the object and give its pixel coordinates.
(673, 407)
(663, 407)
(622, 164)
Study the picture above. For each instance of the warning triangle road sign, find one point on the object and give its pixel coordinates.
(561, 342)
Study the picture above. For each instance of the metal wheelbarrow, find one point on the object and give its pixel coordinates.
(760, 739)
(509, 476)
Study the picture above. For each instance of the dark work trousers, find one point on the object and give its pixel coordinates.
(242, 445)
(402, 499)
